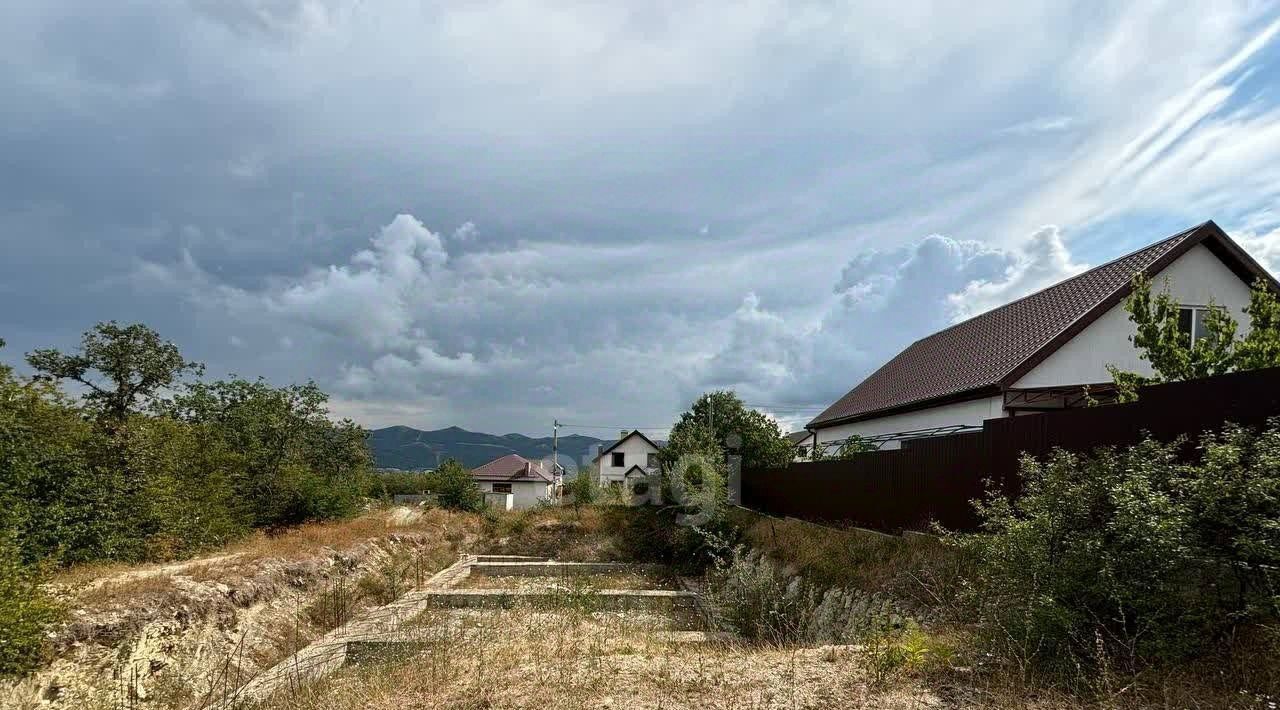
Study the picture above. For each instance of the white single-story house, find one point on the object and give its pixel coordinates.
(803, 441)
(1041, 351)
(527, 482)
(632, 457)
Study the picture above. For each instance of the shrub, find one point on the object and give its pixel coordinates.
(455, 490)
(1129, 557)
(751, 595)
(25, 613)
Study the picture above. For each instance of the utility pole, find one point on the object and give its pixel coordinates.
(555, 445)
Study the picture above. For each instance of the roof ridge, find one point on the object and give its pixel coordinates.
(1065, 281)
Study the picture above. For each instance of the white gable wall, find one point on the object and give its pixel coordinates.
(971, 413)
(1195, 279)
(635, 452)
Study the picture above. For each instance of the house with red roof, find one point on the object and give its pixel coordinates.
(1048, 350)
(527, 482)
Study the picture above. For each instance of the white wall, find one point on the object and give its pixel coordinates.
(1195, 279)
(635, 453)
(525, 494)
(972, 413)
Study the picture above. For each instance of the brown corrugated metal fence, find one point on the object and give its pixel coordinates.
(934, 479)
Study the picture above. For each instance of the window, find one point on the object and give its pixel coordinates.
(502, 488)
(1191, 322)
(619, 459)
(653, 461)
(802, 451)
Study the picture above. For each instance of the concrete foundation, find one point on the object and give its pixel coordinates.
(610, 599)
(524, 568)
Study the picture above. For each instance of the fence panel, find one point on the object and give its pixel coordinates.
(934, 479)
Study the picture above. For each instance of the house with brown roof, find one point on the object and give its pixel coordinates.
(526, 482)
(1041, 351)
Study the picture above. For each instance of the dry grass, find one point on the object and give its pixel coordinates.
(918, 571)
(101, 583)
(524, 658)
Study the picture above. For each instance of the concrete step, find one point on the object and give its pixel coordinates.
(610, 599)
(405, 644)
(553, 569)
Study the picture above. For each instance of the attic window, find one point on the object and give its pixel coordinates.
(619, 459)
(1191, 322)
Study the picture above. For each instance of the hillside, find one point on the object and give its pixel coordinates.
(407, 448)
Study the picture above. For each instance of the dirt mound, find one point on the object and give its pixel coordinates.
(174, 635)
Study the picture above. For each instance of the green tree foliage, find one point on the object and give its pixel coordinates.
(293, 462)
(25, 612)
(1172, 354)
(455, 489)
(121, 367)
(123, 474)
(719, 418)
(849, 448)
(582, 489)
(1261, 346)
(1128, 557)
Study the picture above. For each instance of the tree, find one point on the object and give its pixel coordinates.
(295, 463)
(1173, 355)
(455, 490)
(132, 365)
(582, 489)
(720, 418)
(1261, 347)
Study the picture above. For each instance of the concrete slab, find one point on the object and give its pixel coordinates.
(554, 569)
(380, 632)
(612, 599)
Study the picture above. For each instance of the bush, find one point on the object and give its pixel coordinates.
(455, 490)
(25, 613)
(137, 476)
(1128, 557)
(750, 594)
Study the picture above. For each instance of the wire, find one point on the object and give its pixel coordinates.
(619, 428)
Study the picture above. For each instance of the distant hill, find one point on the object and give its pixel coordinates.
(413, 449)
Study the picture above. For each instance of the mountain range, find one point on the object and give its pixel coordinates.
(406, 448)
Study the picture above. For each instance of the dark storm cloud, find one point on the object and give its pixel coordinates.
(490, 214)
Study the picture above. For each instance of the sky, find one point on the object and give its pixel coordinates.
(498, 214)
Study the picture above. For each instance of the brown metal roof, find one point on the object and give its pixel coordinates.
(511, 467)
(992, 350)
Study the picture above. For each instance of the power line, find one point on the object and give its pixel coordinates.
(619, 428)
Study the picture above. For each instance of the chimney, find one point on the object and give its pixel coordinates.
(623, 434)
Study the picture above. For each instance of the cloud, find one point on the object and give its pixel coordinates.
(372, 298)
(883, 300)
(1044, 124)
(1259, 234)
(643, 209)
(1041, 261)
